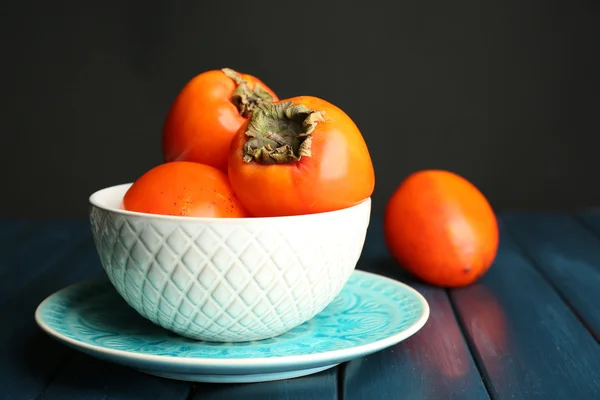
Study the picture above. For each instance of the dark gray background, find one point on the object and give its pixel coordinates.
(504, 92)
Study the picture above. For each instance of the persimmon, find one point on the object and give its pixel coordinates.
(441, 228)
(207, 113)
(300, 155)
(184, 188)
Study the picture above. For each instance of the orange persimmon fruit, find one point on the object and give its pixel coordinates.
(301, 155)
(441, 228)
(184, 188)
(207, 113)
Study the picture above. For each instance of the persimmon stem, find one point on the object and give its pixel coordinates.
(280, 133)
(245, 99)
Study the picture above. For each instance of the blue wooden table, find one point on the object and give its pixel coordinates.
(529, 329)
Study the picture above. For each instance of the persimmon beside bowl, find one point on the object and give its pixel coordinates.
(226, 279)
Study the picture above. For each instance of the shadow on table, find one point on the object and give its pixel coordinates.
(386, 265)
(30, 360)
(85, 377)
(322, 385)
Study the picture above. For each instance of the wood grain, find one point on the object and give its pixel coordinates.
(591, 219)
(85, 378)
(435, 363)
(30, 358)
(527, 341)
(29, 253)
(568, 254)
(10, 230)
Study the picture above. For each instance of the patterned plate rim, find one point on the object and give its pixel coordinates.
(338, 354)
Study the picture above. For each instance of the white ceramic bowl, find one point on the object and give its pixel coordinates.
(226, 280)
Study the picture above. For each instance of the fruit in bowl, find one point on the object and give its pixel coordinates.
(298, 156)
(243, 233)
(207, 113)
(184, 189)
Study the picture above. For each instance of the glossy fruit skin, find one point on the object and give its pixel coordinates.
(202, 120)
(183, 188)
(441, 228)
(338, 174)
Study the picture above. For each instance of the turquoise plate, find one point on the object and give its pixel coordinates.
(371, 313)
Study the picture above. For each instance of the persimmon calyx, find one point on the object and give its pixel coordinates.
(280, 133)
(243, 98)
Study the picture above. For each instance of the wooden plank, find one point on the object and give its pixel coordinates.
(435, 363)
(527, 341)
(10, 229)
(591, 219)
(312, 387)
(85, 378)
(11, 235)
(29, 253)
(29, 357)
(568, 254)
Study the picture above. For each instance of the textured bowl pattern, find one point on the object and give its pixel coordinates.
(229, 281)
(369, 309)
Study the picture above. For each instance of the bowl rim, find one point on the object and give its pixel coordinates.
(94, 200)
